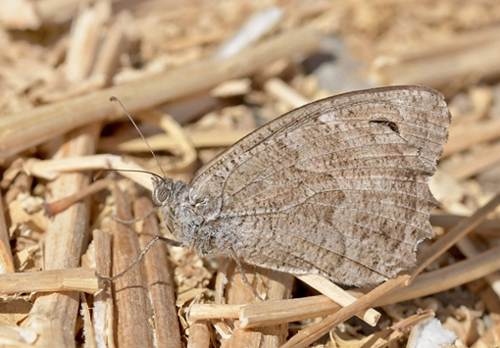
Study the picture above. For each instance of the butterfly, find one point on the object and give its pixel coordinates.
(338, 187)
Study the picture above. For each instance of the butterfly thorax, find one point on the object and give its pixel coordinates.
(181, 216)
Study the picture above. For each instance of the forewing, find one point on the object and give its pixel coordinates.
(338, 187)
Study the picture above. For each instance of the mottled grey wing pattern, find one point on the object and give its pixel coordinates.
(338, 187)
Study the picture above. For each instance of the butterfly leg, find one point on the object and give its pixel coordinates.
(243, 276)
(141, 256)
(130, 222)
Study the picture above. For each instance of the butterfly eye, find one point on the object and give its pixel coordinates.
(162, 194)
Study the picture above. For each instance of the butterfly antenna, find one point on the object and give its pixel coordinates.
(98, 174)
(140, 133)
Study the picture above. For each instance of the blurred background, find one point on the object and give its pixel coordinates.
(53, 51)
(199, 75)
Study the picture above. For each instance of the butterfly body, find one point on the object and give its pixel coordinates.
(338, 187)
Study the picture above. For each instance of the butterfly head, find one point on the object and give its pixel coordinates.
(162, 189)
(180, 216)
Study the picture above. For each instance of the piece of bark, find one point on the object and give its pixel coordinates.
(132, 307)
(53, 316)
(274, 286)
(88, 327)
(220, 325)
(161, 284)
(103, 313)
(200, 336)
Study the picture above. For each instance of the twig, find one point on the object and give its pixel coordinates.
(285, 311)
(199, 139)
(279, 89)
(183, 144)
(488, 227)
(486, 158)
(470, 247)
(339, 295)
(60, 205)
(84, 41)
(114, 45)
(6, 260)
(448, 277)
(309, 335)
(253, 29)
(71, 279)
(453, 235)
(395, 332)
(462, 137)
(489, 338)
(215, 311)
(50, 169)
(267, 313)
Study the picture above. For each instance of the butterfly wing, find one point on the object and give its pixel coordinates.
(338, 187)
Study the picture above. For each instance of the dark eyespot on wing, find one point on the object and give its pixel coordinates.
(392, 125)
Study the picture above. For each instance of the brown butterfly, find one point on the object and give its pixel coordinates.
(338, 187)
